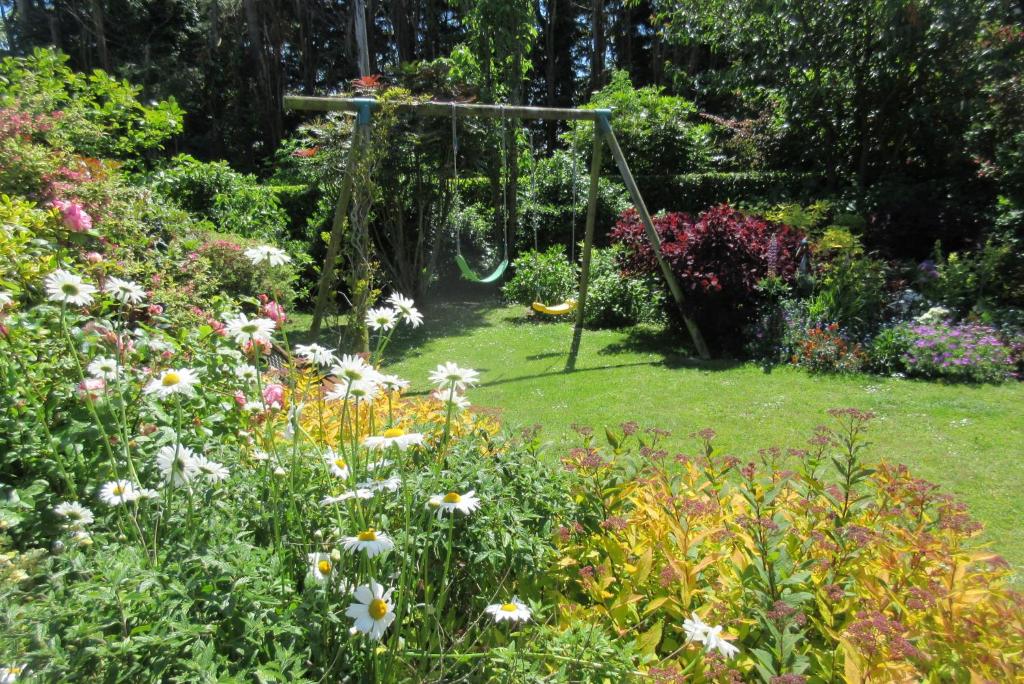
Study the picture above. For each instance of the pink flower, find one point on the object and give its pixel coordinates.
(75, 218)
(240, 398)
(91, 387)
(273, 395)
(249, 348)
(93, 257)
(155, 309)
(275, 312)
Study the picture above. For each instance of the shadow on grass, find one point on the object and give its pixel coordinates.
(667, 343)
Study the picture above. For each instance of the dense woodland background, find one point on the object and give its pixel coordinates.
(908, 111)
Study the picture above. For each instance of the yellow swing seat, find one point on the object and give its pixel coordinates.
(562, 309)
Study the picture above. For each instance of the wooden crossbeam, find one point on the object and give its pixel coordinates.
(486, 111)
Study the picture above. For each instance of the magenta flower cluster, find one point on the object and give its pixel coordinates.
(960, 351)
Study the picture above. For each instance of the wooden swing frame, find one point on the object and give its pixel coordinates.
(603, 134)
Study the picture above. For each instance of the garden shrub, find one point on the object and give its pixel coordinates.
(546, 200)
(824, 349)
(545, 276)
(233, 202)
(718, 257)
(798, 566)
(887, 349)
(964, 351)
(657, 132)
(849, 289)
(616, 299)
(695, 191)
(94, 115)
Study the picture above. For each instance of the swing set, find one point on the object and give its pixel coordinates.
(603, 135)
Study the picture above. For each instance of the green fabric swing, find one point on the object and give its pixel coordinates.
(470, 275)
(464, 268)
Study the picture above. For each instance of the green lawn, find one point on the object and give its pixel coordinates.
(968, 439)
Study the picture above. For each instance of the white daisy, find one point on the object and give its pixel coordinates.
(10, 674)
(390, 484)
(394, 437)
(337, 464)
(118, 492)
(372, 612)
(382, 319)
(124, 291)
(383, 463)
(5, 298)
(406, 309)
(513, 611)
(714, 642)
(457, 401)
(448, 374)
(267, 254)
(104, 367)
(67, 288)
(314, 353)
(361, 493)
(351, 367)
(177, 464)
(363, 390)
(146, 493)
(173, 381)
(211, 470)
(75, 513)
(392, 383)
(321, 566)
(453, 501)
(695, 628)
(247, 373)
(371, 541)
(243, 329)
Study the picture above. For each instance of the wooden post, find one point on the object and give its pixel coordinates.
(360, 137)
(588, 243)
(652, 235)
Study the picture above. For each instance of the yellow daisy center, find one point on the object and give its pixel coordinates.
(340, 462)
(378, 608)
(118, 490)
(368, 535)
(452, 498)
(69, 288)
(509, 607)
(324, 566)
(394, 432)
(170, 379)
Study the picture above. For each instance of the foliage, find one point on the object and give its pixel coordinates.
(554, 207)
(546, 277)
(234, 202)
(718, 257)
(616, 299)
(659, 133)
(96, 115)
(824, 349)
(812, 564)
(980, 281)
(888, 348)
(849, 287)
(965, 352)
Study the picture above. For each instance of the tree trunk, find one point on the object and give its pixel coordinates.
(100, 34)
(361, 40)
(267, 86)
(598, 47)
(549, 69)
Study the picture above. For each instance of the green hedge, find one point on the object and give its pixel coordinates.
(696, 192)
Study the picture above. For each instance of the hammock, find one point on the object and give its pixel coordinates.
(566, 307)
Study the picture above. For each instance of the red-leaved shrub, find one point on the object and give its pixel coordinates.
(718, 257)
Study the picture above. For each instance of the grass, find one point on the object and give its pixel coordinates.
(968, 439)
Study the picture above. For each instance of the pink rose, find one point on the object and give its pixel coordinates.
(275, 312)
(273, 395)
(76, 219)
